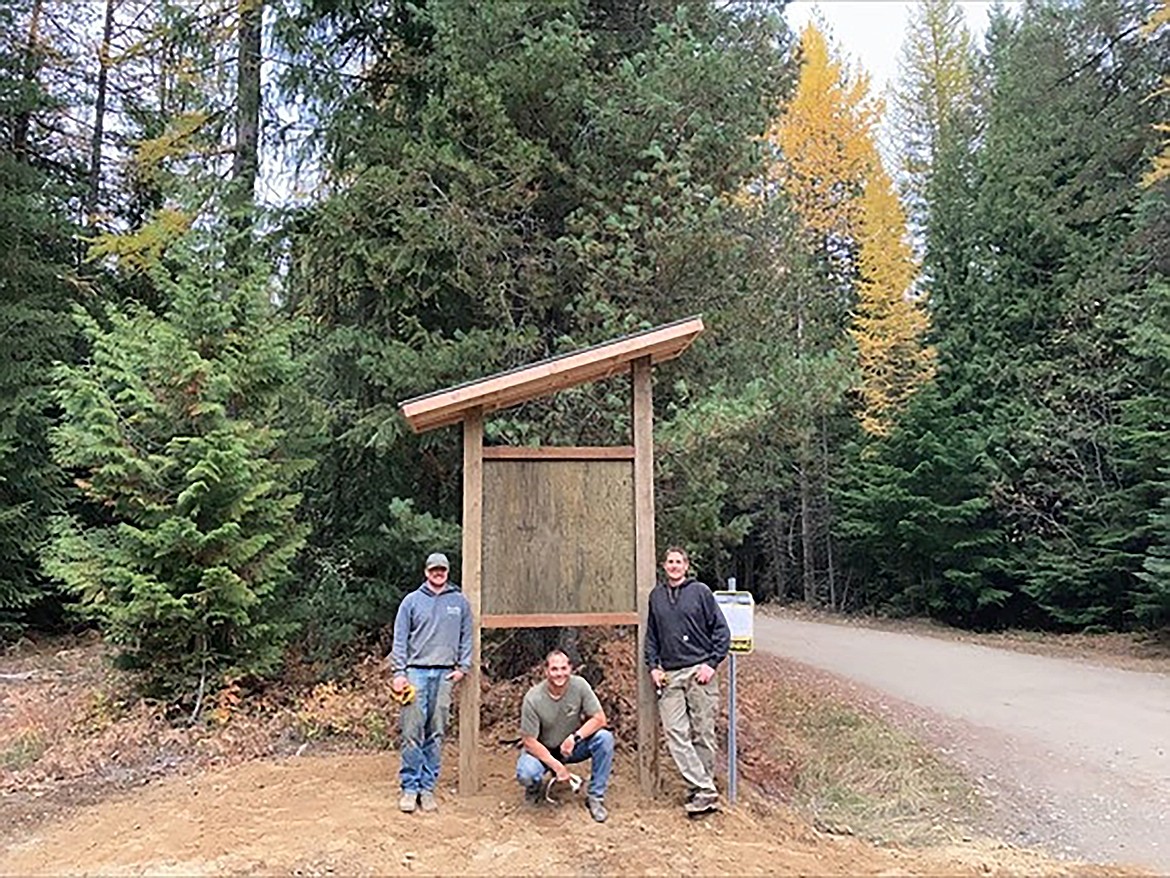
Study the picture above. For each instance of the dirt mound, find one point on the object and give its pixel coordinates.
(284, 780)
(335, 814)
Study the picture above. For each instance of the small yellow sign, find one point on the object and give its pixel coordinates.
(739, 609)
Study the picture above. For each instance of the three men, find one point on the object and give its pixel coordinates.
(561, 719)
(686, 639)
(562, 723)
(431, 653)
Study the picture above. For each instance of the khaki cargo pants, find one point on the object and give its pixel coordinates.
(688, 721)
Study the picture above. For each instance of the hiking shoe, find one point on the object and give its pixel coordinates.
(534, 794)
(408, 801)
(702, 802)
(596, 806)
(426, 801)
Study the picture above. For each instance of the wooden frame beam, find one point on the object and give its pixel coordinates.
(644, 564)
(472, 580)
(554, 620)
(559, 452)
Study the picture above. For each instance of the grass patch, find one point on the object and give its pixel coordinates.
(858, 775)
(22, 751)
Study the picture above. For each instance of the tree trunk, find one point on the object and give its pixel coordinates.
(32, 65)
(246, 159)
(807, 540)
(89, 208)
(828, 517)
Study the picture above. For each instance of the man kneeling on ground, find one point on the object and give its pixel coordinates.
(561, 723)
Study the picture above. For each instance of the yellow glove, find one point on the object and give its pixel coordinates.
(403, 696)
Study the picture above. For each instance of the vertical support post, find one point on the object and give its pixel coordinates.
(472, 579)
(732, 755)
(644, 565)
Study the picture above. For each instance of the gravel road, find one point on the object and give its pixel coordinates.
(1074, 756)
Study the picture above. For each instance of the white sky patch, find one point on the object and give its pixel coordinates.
(869, 33)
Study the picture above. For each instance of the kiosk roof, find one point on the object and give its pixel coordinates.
(539, 379)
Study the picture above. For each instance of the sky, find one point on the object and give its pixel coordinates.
(870, 31)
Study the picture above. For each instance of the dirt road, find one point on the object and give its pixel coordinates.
(1074, 757)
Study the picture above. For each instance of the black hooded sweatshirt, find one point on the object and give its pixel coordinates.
(685, 627)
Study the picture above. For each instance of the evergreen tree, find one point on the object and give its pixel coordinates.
(509, 181)
(34, 254)
(176, 431)
(1039, 250)
(934, 95)
(919, 535)
(1145, 435)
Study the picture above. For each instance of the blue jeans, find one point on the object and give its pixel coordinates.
(424, 722)
(598, 747)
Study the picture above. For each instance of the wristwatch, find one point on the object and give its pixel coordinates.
(576, 738)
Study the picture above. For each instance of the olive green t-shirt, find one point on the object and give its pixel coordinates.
(551, 720)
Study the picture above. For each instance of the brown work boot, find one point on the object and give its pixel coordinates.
(408, 801)
(702, 802)
(596, 806)
(426, 801)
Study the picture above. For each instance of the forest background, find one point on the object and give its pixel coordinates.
(938, 387)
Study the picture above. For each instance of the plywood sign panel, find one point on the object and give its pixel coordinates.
(558, 536)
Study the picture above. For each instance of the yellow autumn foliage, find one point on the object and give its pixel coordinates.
(827, 164)
(144, 247)
(179, 140)
(1160, 164)
(825, 141)
(889, 322)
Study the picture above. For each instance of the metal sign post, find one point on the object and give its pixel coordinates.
(738, 609)
(732, 753)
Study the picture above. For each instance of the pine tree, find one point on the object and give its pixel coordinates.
(1145, 441)
(34, 254)
(511, 180)
(934, 98)
(175, 430)
(1053, 243)
(919, 534)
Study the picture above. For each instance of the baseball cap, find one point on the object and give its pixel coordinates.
(437, 559)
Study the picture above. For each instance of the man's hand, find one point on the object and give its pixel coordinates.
(704, 674)
(456, 675)
(567, 746)
(560, 771)
(659, 677)
(399, 683)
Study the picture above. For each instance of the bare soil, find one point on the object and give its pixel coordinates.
(333, 815)
(302, 783)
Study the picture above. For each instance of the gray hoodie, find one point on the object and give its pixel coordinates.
(432, 630)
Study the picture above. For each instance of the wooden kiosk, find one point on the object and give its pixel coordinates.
(556, 535)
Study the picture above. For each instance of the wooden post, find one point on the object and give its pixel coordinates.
(472, 577)
(645, 562)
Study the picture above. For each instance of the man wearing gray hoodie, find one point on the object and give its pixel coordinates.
(431, 653)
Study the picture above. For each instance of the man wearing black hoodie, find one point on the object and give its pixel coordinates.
(686, 639)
